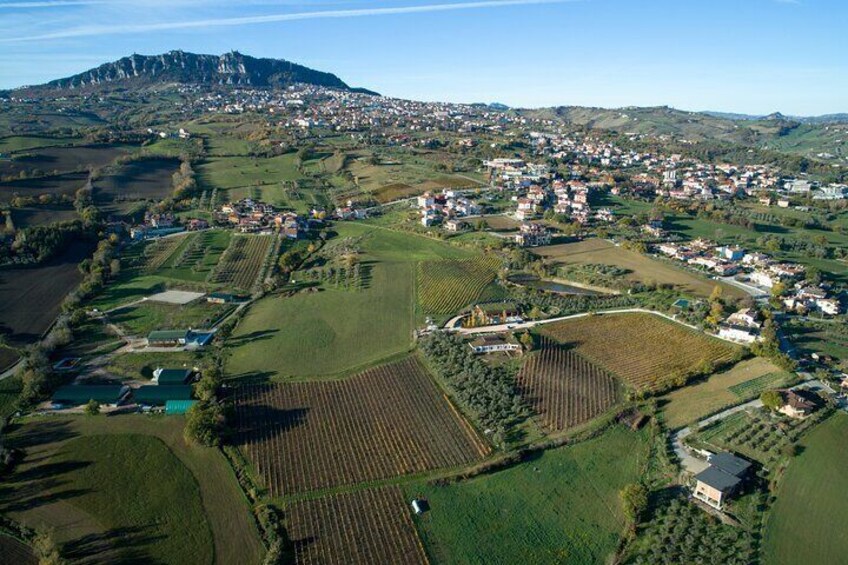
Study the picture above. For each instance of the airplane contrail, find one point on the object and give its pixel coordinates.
(98, 30)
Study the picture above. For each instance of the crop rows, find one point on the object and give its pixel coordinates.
(445, 287)
(565, 388)
(385, 422)
(242, 262)
(369, 526)
(157, 253)
(644, 350)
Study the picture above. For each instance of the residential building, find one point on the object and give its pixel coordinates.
(721, 479)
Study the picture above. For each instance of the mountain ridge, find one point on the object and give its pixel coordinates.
(231, 69)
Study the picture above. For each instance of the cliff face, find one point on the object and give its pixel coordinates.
(179, 66)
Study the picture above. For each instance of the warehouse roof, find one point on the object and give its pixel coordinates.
(167, 335)
(159, 394)
(80, 394)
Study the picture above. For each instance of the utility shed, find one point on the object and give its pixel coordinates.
(177, 407)
(154, 395)
(76, 395)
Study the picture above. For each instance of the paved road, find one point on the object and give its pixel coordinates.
(527, 325)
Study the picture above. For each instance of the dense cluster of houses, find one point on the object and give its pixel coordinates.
(759, 270)
(447, 207)
(250, 216)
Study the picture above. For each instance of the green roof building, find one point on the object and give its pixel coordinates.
(168, 337)
(159, 395)
(77, 395)
(177, 407)
(171, 376)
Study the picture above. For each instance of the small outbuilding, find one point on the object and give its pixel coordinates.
(178, 407)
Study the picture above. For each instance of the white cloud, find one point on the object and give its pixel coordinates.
(100, 30)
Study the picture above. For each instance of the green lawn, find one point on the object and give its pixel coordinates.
(141, 365)
(9, 390)
(128, 489)
(234, 172)
(807, 522)
(333, 331)
(562, 507)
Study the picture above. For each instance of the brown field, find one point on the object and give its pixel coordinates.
(369, 526)
(690, 403)
(241, 263)
(147, 179)
(385, 422)
(58, 185)
(642, 268)
(564, 388)
(61, 159)
(30, 298)
(645, 351)
(14, 552)
(42, 215)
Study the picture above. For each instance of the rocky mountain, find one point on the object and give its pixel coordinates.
(179, 66)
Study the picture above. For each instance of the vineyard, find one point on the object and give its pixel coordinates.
(445, 287)
(646, 351)
(369, 526)
(385, 422)
(564, 388)
(242, 263)
(157, 253)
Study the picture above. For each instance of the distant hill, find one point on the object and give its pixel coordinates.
(822, 137)
(179, 66)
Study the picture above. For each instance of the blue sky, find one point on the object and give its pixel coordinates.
(754, 56)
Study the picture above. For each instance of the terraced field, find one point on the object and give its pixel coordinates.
(646, 351)
(445, 287)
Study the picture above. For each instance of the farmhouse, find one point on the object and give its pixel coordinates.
(798, 404)
(721, 479)
(495, 313)
(492, 344)
(77, 395)
(171, 376)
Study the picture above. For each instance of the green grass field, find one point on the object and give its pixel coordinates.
(9, 390)
(235, 172)
(690, 403)
(333, 331)
(128, 488)
(562, 507)
(806, 523)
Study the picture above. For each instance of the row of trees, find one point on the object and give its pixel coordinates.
(488, 392)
